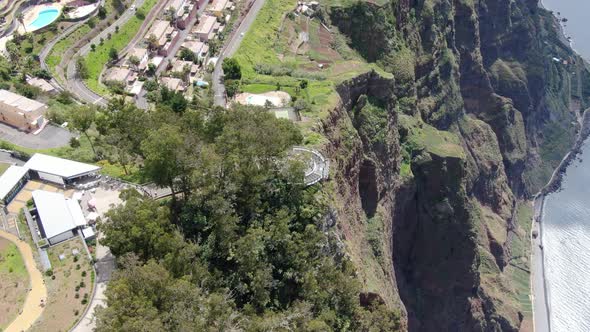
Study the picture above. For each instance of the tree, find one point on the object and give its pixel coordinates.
(93, 47)
(231, 69)
(188, 55)
(113, 55)
(82, 120)
(163, 151)
(232, 88)
(21, 18)
(152, 42)
(81, 68)
(134, 60)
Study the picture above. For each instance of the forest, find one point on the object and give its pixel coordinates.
(241, 246)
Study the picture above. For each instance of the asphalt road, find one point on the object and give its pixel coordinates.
(541, 319)
(230, 48)
(75, 84)
(49, 46)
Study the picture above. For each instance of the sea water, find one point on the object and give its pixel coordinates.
(566, 220)
(566, 243)
(577, 13)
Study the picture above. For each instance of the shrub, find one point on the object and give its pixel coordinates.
(76, 259)
(77, 296)
(49, 272)
(83, 273)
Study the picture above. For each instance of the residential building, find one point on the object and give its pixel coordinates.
(204, 28)
(173, 84)
(158, 30)
(218, 6)
(141, 54)
(118, 74)
(21, 112)
(42, 84)
(199, 48)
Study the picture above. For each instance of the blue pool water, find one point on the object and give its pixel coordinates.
(45, 17)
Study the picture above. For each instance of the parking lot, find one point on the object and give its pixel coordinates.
(50, 137)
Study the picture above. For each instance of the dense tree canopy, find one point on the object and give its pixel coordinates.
(241, 247)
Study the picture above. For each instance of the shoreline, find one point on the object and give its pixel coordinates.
(538, 278)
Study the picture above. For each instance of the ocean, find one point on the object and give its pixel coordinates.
(566, 215)
(566, 243)
(577, 13)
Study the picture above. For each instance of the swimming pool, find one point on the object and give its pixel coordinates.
(44, 18)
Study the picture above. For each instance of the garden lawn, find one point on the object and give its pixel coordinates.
(14, 281)
(3, 167)
(63, 308)
(96, 60)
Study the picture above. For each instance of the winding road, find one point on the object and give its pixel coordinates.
(74, 83)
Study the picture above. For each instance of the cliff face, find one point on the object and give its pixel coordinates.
(482, 106)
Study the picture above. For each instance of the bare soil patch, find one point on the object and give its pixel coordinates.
(67, 291)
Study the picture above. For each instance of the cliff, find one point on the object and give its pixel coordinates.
(429, 166)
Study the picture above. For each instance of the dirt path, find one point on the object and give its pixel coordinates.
(32, 309)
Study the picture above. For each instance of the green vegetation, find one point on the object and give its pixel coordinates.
(273, 34)
(3, 167)
(242, 222)
(14, 281)
(96, 60)
(422, 136)
(55, 56)
(520, 265)
(11, 262)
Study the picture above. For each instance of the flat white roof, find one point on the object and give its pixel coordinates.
(88, 232)
(10, 178)
(57, 214)
(65, 168)
(23, 103)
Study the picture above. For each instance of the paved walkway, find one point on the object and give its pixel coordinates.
(33, 307)
(50, 137)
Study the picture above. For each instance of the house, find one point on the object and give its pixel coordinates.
(141, 54)
(199, 48)
(21, 112)
(118, 74)
(217, 7)
(58, 218)
(184, 16)
(42, 84)
(178, 66)
(168, 41)
(173, 84)
(58, 170)
(11, 182)
(158, 30)
(204, 28)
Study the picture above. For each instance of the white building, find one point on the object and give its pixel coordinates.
(58, 217)
(58, 170)
(11, 182)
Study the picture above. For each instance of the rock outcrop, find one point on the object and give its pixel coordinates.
(476, 117)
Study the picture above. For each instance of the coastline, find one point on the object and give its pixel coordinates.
(541, 298)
